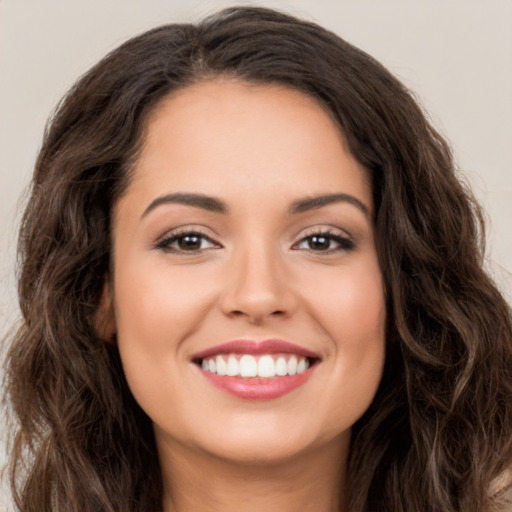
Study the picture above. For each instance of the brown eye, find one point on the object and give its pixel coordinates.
(319, 243)
(189, 241)
(325, 242)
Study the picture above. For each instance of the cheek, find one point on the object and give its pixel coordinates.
(352, 310)
(353, 316)
(159, 304)
(156, 308)
(155, 312)
(356, 319)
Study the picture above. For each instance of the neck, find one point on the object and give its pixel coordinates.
(308, 482)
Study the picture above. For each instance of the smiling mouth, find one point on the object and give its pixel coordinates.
(257, 370)
(264, 366)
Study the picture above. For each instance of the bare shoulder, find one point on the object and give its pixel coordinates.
(501, 489)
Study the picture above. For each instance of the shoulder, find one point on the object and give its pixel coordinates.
(501, 490)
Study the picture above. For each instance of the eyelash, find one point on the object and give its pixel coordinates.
(165, 243)
(344, 243)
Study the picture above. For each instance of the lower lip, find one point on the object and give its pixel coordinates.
(258, 389)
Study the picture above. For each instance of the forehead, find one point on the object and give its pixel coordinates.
(231, 138)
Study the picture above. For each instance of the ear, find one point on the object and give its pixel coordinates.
(104, 318)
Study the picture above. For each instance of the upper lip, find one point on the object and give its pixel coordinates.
(272, 346)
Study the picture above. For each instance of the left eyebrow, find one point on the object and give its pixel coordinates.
(209, 203)
(313, 203)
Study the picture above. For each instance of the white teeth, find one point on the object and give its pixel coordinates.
(266, 367)
(302, 366)
(292, 365)
(232, 366)
(247, 366)
(222, 366)
(281, 367)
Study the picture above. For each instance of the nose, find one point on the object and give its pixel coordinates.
(258, 287)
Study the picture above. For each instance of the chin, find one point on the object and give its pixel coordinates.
(259, 452)
(267, 442)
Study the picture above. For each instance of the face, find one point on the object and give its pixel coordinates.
(247, 292)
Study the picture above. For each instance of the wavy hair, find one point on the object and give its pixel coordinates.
(438, 434)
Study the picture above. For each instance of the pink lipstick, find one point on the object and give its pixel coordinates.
(257, 370)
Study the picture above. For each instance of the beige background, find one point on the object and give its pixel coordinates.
(455, 54)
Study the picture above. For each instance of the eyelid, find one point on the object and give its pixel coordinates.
(172, 235)
(324, 229)
(344, 239)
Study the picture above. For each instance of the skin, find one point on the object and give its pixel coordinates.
(255, 274)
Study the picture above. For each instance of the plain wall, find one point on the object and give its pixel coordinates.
(456, 55)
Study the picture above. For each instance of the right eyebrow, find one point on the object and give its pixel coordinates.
(316, 202)
(205, 202)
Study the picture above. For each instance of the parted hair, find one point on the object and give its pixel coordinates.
(438, 434)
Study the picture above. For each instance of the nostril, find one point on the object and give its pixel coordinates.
(255, 303)
(257, 316)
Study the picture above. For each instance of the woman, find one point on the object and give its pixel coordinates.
(251, 280)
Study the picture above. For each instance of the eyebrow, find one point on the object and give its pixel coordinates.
(213, 204)
(196, 200)
(315, 202)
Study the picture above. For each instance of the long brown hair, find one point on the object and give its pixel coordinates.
(439, 431)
